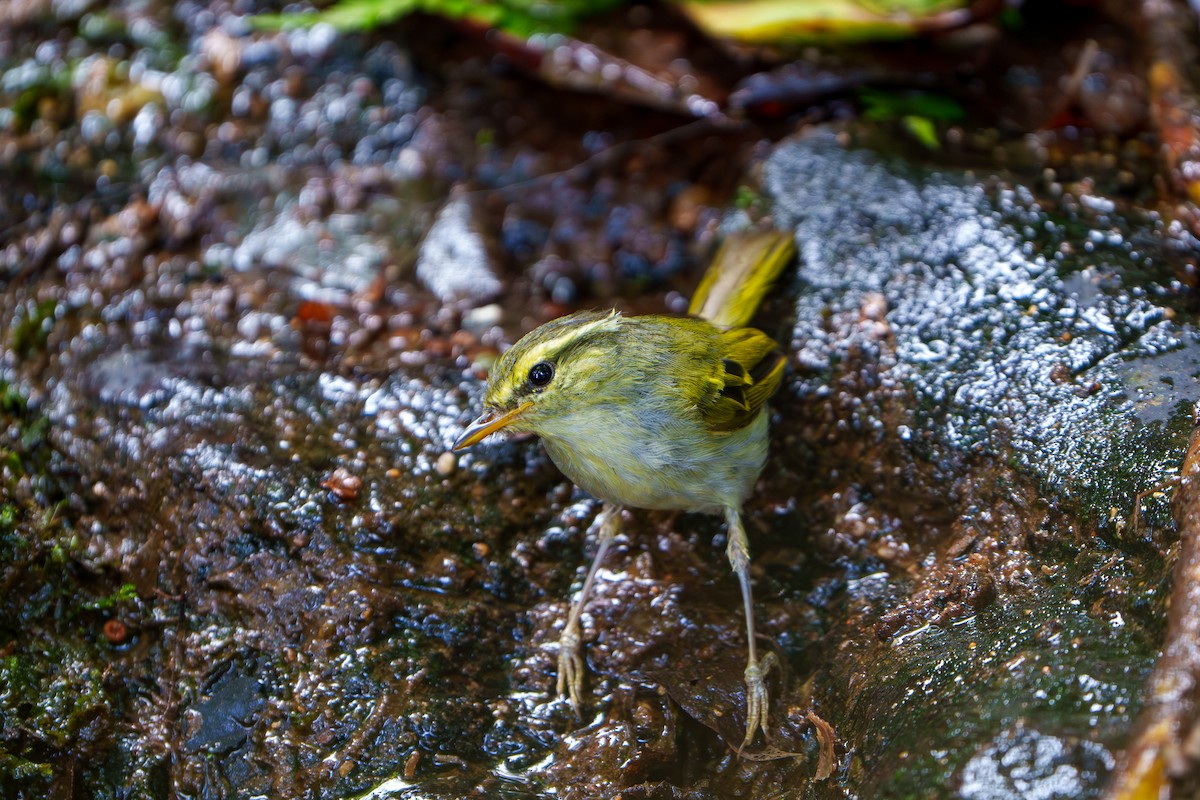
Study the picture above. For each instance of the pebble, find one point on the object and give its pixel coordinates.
(446, 464)
(453, 262)
(479, 320)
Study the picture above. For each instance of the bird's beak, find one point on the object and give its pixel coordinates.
(488, 423)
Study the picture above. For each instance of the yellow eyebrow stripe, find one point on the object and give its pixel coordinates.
(547, 350)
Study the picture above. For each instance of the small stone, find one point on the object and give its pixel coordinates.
(224, 55)
(446, 464)
(454, 263)
(342, 484)
(479, 320)
(1061, 373)
(874, 307)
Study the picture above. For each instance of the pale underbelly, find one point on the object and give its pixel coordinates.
(650, 475)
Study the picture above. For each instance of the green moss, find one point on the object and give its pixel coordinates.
(23, 769)
(747, 198)
(31, 327)
(55, 693)
(124, 594)
(51, 682)
(12, 541)
(1132, 469)
(24, 87)
(25, 452)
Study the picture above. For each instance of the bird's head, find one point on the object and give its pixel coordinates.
(548, 373)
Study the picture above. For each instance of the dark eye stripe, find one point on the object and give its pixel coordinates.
(541, 374)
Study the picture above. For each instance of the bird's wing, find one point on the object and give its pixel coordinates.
(750, 371)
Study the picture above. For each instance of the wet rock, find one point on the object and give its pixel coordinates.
(454, 262)
(209, 355)
(985, 323)
(949, 329)
(1024, 763)
(226, 713)
(329, 258)
(133, 378)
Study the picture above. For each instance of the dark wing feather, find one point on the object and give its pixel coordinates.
(752, 369)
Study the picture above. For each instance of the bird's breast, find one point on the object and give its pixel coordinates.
(644, 461)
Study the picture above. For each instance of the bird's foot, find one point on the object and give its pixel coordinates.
(757, 701)
(570, 666)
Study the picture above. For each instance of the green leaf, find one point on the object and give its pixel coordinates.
(350, 15)
(923, 130)
(518, 17)
(814, 21)
(884, 106)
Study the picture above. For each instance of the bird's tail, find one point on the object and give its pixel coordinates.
(741, 273)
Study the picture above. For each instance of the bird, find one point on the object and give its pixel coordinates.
(654, 412)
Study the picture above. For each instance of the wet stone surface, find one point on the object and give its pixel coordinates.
(1008, 485)
(956, 625)
(238, 560)
(1009, 332)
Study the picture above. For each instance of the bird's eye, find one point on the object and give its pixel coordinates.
(540, 374)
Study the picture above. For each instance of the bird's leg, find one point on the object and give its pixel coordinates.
(570, 660)
(738, 551)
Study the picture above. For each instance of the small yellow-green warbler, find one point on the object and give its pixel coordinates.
(650, 412)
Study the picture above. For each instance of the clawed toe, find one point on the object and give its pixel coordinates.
(570, 668)
(757, 699)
